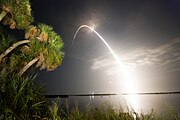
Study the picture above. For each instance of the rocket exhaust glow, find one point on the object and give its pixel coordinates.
(129, 83)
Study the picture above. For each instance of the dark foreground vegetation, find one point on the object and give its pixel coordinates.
(21, 98)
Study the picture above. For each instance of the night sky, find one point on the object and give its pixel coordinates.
(145, 34)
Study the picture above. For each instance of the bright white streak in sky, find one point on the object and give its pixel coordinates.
(129, 83)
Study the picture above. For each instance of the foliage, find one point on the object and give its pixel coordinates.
(15, 61)
(106, 112)
(46, 45)
(18, 13)
(20, 98)
(54, 110)
(6, 41)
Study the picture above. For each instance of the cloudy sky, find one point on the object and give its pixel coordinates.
(145, 34)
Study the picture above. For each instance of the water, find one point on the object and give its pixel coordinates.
(157, 103)
(129, 83)
(139, 103)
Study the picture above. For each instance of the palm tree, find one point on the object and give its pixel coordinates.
(43, 46)
(13, 47)
(6, 41)
(31, 33)
(46, 49)
(15, 13)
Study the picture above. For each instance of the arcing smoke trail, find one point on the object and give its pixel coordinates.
(127, 77)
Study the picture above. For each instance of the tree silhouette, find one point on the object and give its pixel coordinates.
(45, 48)
(42, 46)
(16, 13)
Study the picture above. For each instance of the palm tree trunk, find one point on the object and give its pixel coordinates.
(2, 15)
(13, 47)
(28, 66)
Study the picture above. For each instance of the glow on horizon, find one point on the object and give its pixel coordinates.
(129, 84)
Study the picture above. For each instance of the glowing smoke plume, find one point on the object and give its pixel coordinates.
(129, 83)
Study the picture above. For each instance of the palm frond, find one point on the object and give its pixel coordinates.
(19, 11)
(6, 41)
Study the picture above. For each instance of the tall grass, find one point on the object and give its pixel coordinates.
(107, 112)
(21, 99)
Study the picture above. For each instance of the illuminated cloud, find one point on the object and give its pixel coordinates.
(108, 65)
(167, 54)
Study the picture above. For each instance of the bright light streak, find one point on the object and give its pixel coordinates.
(93, 27)
(129, 83)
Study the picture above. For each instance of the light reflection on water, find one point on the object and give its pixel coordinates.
(159, 103)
